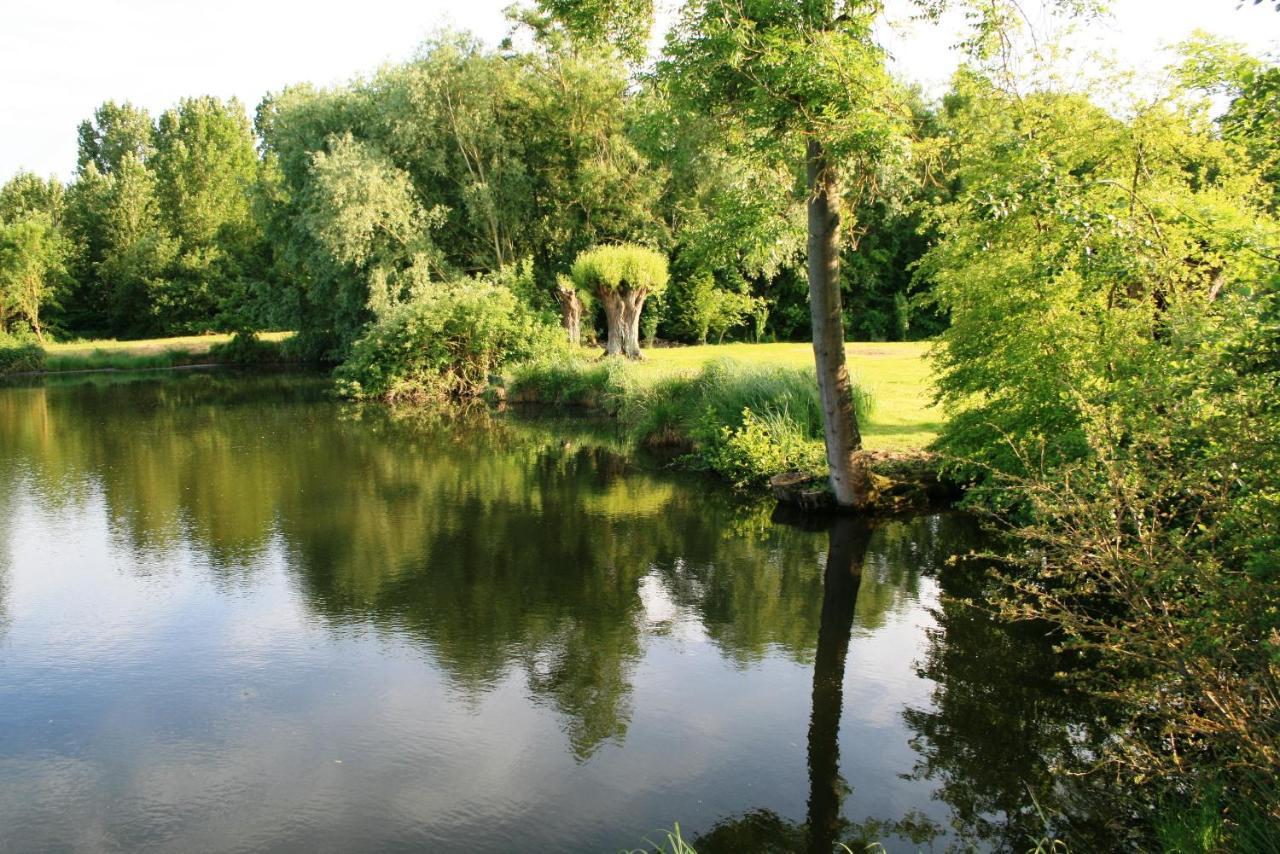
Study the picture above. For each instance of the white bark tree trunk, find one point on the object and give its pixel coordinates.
(850, 475)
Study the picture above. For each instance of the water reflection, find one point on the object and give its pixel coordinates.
(274, 579)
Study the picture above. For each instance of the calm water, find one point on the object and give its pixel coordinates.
(238, 616)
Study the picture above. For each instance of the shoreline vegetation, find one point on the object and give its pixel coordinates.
(746, 412)
(750, 413)
(26, 357)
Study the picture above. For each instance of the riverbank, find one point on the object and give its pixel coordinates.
(750, 413)
(144, 354)
(894, 375)
(747, 412)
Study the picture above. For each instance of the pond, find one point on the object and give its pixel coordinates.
(237, 615)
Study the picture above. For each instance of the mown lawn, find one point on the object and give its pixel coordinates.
(896, 373)
(144, 353)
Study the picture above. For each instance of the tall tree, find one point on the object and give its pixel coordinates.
(805, 78)
(205, 165)
(27, 194)
(114, 132)
(32, 260)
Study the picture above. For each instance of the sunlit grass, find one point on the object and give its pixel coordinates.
(896, 374)
(109, 354)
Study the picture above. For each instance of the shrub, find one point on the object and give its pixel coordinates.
(246, 348)
(1155, 558)
(762, 446)
(447, 343)
(20, 353)
(744, 423)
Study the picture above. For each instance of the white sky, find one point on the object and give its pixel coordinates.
(61, 58)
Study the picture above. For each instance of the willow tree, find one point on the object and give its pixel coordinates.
(810, 85)
(622, 278)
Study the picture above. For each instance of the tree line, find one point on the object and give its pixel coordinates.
(465, 160)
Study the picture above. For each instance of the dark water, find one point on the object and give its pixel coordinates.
(237, 616)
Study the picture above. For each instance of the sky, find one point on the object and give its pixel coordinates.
(61, 58)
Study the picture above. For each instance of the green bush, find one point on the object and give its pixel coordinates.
(566, 381)
(246, 348)
(446, 344)
(762, 446)
(20, 353)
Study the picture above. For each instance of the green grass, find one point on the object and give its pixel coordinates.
(137, 355)
(896, 374)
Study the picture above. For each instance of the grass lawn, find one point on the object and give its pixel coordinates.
(145, 353)
(896, 373)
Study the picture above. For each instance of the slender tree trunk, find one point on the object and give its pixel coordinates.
(571, 313)
(850, 477)
(613, 315)
(633, 304)
(846, 550)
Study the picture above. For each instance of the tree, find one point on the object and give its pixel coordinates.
(205, 165)
(370, 232)
(27, 194)
(622, 24)
(115, 132)
(570, 308)
(32, 261)
(621, 277)
(805, 76)
(137, 253)
(1252, 119)
(1071, 236)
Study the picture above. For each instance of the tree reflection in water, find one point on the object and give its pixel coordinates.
(503, 546)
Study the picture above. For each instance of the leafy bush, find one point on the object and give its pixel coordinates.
(447, 343)
(567, 381)
(1155, 557)
(20, 353)
(246, 348)
(762, 446)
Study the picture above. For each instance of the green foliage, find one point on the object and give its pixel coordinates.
(1071, 235)
(1154, 556)
(668, 842)
(246, 348)
(27, 195)
(20, 353)
(624, 268)
(762, 446)
(447, 343)
(116, 132)
(166, 237)
(743, 422)
(475, 161)
(32, 265)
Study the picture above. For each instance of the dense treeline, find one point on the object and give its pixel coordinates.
(464, 161)
(156, 235)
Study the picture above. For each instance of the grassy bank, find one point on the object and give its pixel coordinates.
(748, 412)
(151, 353)
(894, 375)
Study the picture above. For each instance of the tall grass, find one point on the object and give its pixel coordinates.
(746, 422)
(671, 842)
